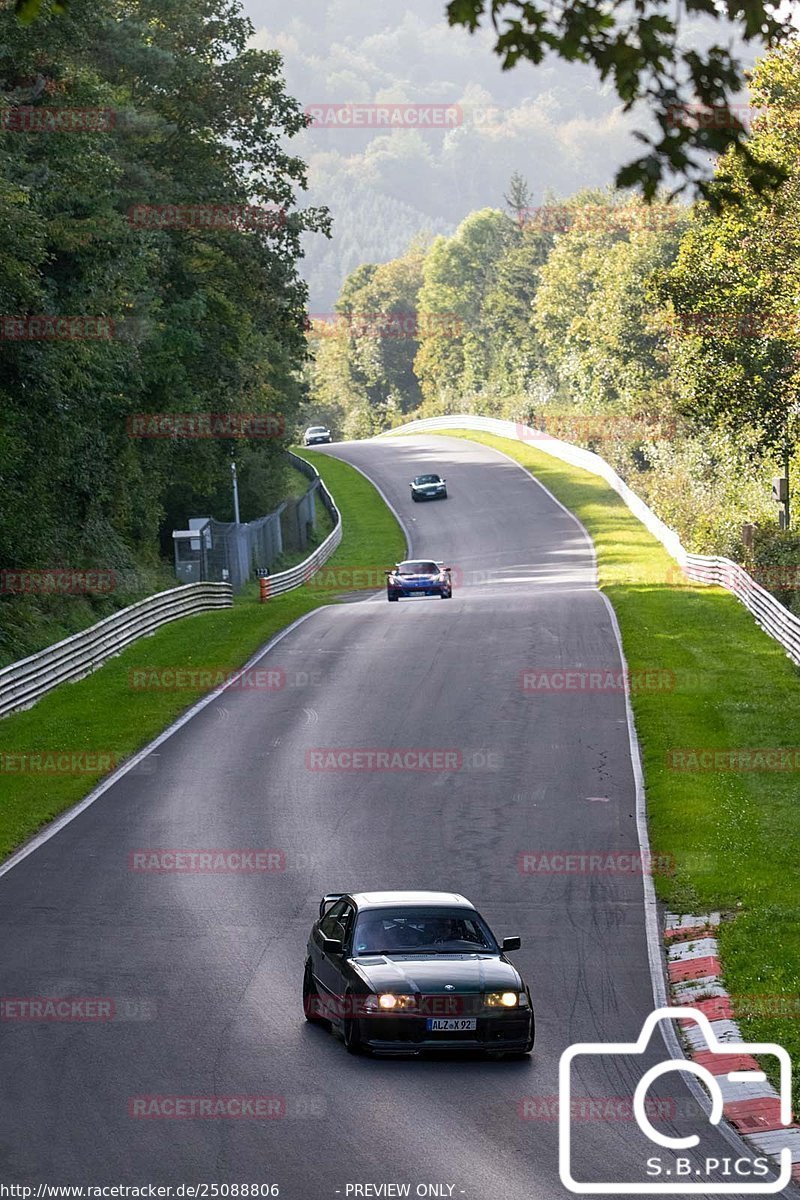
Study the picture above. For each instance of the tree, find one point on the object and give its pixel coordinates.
(640, 48)
(204, 319)
(519, 198)
(732, 295)
(455, 355)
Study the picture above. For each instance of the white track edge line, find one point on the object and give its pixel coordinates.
(403, 527)
(652, 935)
(59, 822)
(529, 474)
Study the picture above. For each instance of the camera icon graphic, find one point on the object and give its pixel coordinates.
(674, 1186)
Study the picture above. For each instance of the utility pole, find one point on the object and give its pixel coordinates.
(235, 493)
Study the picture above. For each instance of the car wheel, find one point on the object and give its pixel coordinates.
(391, 598)
(446, 595)
(309, 997)
(444, 495)
(414, 498)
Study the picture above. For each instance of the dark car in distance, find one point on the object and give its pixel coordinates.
(406, 972)
(316, 435)
(419, 577)
(428, 487)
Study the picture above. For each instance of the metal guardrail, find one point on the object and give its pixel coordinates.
(23, 683)
(769, 613)
(284, 581)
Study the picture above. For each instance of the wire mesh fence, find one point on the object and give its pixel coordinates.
(230, 552)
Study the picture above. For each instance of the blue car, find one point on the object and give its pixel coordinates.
(419, 577)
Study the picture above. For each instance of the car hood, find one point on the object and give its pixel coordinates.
(417, 578)
(430, 972)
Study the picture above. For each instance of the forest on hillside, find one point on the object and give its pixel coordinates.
(665, 337)
(148, 265)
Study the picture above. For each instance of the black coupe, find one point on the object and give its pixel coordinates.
(428, 487)
(403, 972)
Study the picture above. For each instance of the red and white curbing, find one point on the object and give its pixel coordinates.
(695, 977)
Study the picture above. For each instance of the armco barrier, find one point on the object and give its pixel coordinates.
(284, 581)
(769, 613)
(24, 682)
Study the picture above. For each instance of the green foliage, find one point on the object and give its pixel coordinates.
(732, 291)
(105, 710)
(642, 50)
(586, 317)
(205, 320)
(733, 835)
(775, 563)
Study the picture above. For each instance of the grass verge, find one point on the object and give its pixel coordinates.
(734, 835)
(108, 713)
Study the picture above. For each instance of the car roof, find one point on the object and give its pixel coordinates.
(401, 899)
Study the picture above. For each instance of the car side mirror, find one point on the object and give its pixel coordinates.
(335, 945)
(512, 943)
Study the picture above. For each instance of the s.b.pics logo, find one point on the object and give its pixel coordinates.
(726, 1069)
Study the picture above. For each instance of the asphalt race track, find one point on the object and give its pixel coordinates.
(205, 969)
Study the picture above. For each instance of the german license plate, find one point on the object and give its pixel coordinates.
(452, 1024)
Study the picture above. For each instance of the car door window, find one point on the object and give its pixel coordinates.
(332, 924)
(347, 921)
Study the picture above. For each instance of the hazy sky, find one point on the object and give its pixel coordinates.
(555, 124)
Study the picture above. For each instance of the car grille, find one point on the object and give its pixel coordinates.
(414, 1029)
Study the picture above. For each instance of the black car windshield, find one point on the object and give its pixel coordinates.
(427, 479)
(317, 429)
(418, 568)
(423, 930)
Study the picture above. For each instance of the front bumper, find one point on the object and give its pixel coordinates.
(320, 441)
(419, 591)
(439, 494)
(512, 1032)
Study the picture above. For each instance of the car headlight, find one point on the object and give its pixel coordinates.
(506, 1000)
(391, 1002)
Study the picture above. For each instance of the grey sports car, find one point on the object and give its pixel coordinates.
(401, 972)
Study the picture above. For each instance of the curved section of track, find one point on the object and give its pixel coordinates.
(214, 961)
